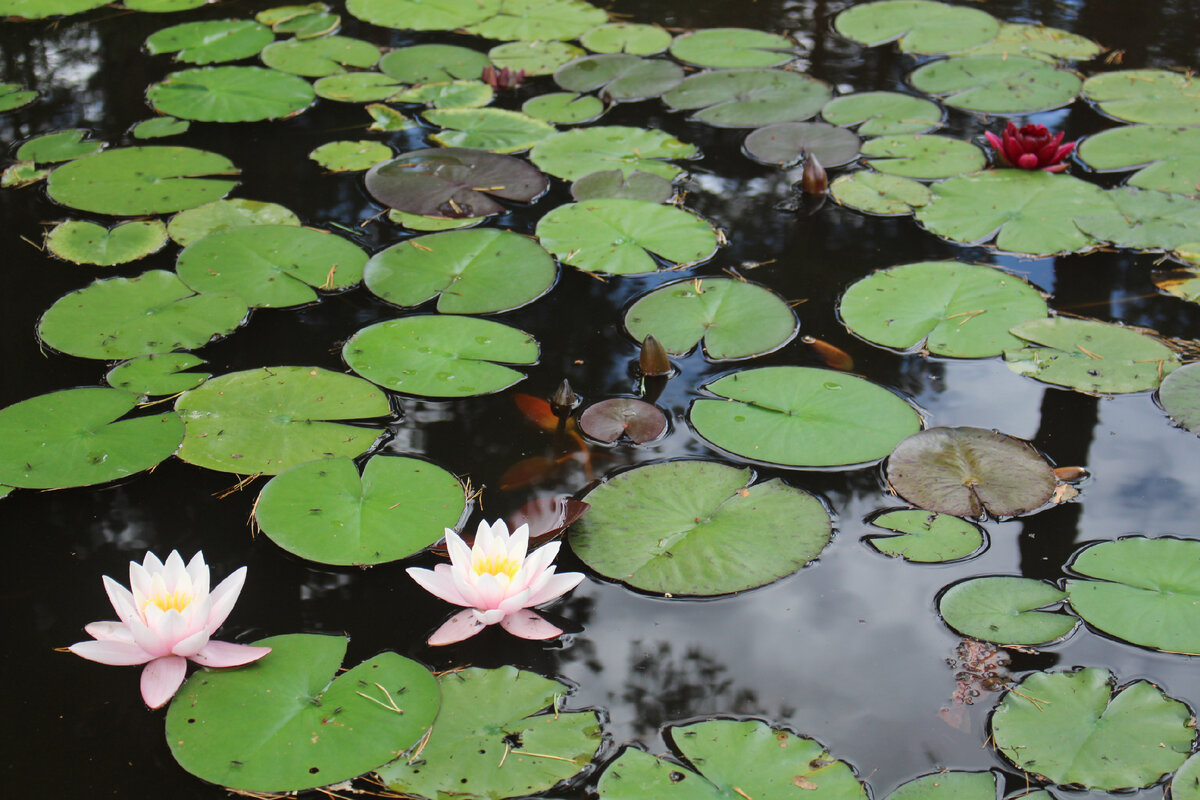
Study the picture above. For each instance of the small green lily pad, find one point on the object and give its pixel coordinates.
(157, 374)
(310, 26)
(416, 222)
(211, 41)
(231, 94)
(533, 58)
(452, 95)
(281, 14)
(357, 87)
(346, 156)
(196, 223)
(919, 25)
(163, 6)
(160, 127)
(387, 119)
(733, 47)
(626, 37)
(922, 156)
(12, 96)
(878, 193)
(316, 58)
(749, 98)
(22, 173)
(82, 242)
(534, 20)
(926, 537)
(572, 154)
(1186, 783)
(1166, 157)
(788, 143)
(445, 15)
(1004, 610)
(953, 785)
(564, 108)
(433, 63)
(997, 84)
(51, 148)
(1155, 96)
(496, 130)
(883, 113)
(619, 77)
(39, 9)
(1180, 397)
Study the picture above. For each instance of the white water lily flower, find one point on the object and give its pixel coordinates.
(496, 582)
(166, 620)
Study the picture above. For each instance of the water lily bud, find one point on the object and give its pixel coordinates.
(564, 400)
(813, 180)
(653, 360)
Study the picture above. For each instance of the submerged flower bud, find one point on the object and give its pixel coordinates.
(653, 359)
(564, 400)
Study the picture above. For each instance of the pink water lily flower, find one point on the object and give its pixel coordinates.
(496, 581)
(1031, 147)
(166, 620)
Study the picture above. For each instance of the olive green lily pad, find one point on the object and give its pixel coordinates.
(316, 58)
(345, 156)
(880, 113)
(433, 63)
(469, 272)
(51, 148)
(494, 738)
(1166, 157)
(945, 307)
(1037, 41)
(922, 156)
(416, 222)
(420, 15)
(135, 181)
(1145, 219)
(358, 87)
(84, 242)
(731, 758)
(1180, 396)
(749, 98)
(39, 9)
(970, 472)
(533, 20)
(196, 223)
(271, 266)
(163, 6)
(626, 37)
(613, 183)
(159, 127)
(950, 785)
(1027, 211)
(788, 143)
(698, 528)
(157, 374)
(454, 182)
(1071, 728)
(877, 193)
(733, 47)
(22, 173)
(324, 511)
(440, 355)
(211, 41)
(621, 237)
(231, 94)
(120, 318)
(310, 26)
(281, 14)
(564, 108)
(1155, 96)
(387, 119)
(926, 537)
(997, 84)
(533, 58)
(1141, 590)
(1090, 356)
(803, 417)
(13, 96)
(919, 25)
(291, 721)
(1186, 783)
(270, 419)
(735, 319)
(1004, 610)
(619, 76)
(496, 130)
(572, 154)
(452, 95)
(76, 437)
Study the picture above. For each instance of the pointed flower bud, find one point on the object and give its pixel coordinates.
(653, 360)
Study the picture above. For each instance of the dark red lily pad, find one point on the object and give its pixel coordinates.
(454, 182)
(547, 517)
(638, 420)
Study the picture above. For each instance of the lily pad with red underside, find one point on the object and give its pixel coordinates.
(788, 143)
(454, 182)
(609, 420)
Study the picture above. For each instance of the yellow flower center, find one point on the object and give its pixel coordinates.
(493, 565)
(166, 602)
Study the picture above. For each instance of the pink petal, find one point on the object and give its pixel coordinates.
(161, 679)
(109, 632)
(1064, 151)
(1013, 152)
(460, 554)
(223, 598)
(175, 572)
(515, 602)
(117, 654)
(438, 583)
(228, 654)
(558, 585)
(197, 570)
(147, 638)
(462, 625)
(189, 646)
(491, 591)
(170, 627)
(518, 544)
(528, 625)
(121, 599)
(994, 141)
(1055, 168)
(1027, 161)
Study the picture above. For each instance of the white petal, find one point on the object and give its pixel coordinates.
(558, 585)
(173, 570)
(171, 628)
(515, 602)
(118, 654)
(460, 554)
(188, 646)
(228, 654)
(439, 583)
(491, 592)
(147, 638)
(161, 678)
(529, 625)
(223, 597)
(518, 544)
(109, 632)
(150, 563)
(122, 600)
(139, 582)
(491, 616)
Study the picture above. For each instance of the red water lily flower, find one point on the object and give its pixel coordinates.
(503, 78)
(1031, 147)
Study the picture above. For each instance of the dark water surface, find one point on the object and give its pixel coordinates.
(849, 650)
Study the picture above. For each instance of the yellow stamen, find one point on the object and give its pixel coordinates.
(166, 602)
(493, 565)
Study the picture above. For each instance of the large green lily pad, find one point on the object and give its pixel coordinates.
(883, 113)
(803, 417)
(749, 98)
(533, 58)
(196, 223)
(497, 130)
(626, 37)
(1004, 610)
(619, 76)
(157, 374)
(422, 15)
(270, 419)
(923, 156)
(51, 148)
(76, 438)
(1037, 41)
(290, 721)
(1180, 397)
(944, 307)
(733, 47)
(1155, 96)
(564, 108)
(1166, 157)
(450, 96)
(1186, 783)
(454, 182)
(316, 58)
(83, 242)
(926, 537)
(433, 63)
(788, 143)
(1073, 729)
(613, 183)
(919, 25)
(39, 9)
(211, 41)
(698, 528)
(494, 738)
(539, 20)
(572, 154)
(1145, 219)
(357, 87)
(348, 156)
(951, 785)
(231, 94)
(997, 84)
(1145, 591)
(877, 193)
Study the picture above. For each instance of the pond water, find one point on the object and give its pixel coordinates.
(849, 650)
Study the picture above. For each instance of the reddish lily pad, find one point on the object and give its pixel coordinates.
(615, 417)
(454, 182)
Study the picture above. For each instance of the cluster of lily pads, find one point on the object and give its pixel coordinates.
(670, 528)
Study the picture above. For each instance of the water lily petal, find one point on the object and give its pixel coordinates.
(139, 582)
(189, 645)
(228, 654)
(223, 598)
(118, 654)
(491, 616)
(150, 563)
(487, 537)
(438, 582)
(161, 678)
(122, 600)
(491, 591)
(558, 585)
(462, 625)
(197, 570)
(109, 631)
(171, 628)
(518, 543)
(147, 638)
(515, 602)
(460, 554)
(529, 625)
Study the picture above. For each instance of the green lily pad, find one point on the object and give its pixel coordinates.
(120, 318)
(51, 148)
(136, 181)
(496, 130)
(83, 242)
(733, 47)
(735, 319)
(788, 143)
(290, 721)
(1155, 96)
(440, 355)
(433, 63)
(358, 87)
(12, 96)
(919, 25)
(454, 182)
(345, 156)
(159, 127)
(324, 511)
(1090, 356)
(619, 76)
(270, 419)
(1182, 283)
(1073, 729)
(1144, 591)
(453, 95)
(231, 94)
(157, 374)
(163, 6)
(748, 98)
(533, 20)
(1186, 783)
(572, 154)
(416, 222)
(698, 528)
(1166, 157)
(469, 272)
(944, 307)
(1144, 219)
(76, 438)
(280, 14)
(1004, 610)
(196, 223)
(23, 173)
(491, 742)
(310, 26)
(970, 472)
(883, 113)
(1037, 41)
(387, 119)
(39, 9)
(926, 537)
(950, 785)
(316, 58)
(877, 193)
(731, 758)
(564, 108)
(618, 237)
(626, 37)
(1180, 397)
(803, 417)
(533, 58)
(211, 41)
(923, 156)
(997, 84)
(420, 15)
(613, 183)
(1027, 211)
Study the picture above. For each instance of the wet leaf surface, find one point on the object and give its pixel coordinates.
(1005, 610)
(454, 182)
